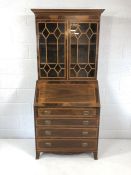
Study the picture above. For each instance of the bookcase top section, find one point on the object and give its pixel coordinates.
(67, 43)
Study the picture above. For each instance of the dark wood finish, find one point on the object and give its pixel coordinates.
(67, 104)
(67, 122)
(66, 132)
(67, 95)
(88, 112)
(67, 145)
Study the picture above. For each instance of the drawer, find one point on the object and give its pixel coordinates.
(66, 133)
(63, 145)
(60, 122)
(65, 112)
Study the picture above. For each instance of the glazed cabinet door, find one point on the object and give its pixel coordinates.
(51, 49)
(83, 43)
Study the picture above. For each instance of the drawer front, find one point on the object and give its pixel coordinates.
(66, 133)
(66, 144)
(60, 122)
(89, 112)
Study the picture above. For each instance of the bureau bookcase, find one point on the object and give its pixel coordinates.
(67, 105)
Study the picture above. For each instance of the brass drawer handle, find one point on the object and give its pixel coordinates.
(47, 122)
(47, 112)
(48, 144)
(47, 133)
(84, 144)
(85, 122)
(85, 133)
(86, 112)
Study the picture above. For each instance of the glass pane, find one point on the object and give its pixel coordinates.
(61, 73)
(84, 27)
(73, 39)
(73, 53)
(93, 39)
(41, 39)
(43, 73)
(92, 73)
(52, 65)
(83, 39)
(82, 73)
(61, 39)
(72, 73)
(51, 39)
(57, 33)
(60, 54)
(83, 53)
(89, 33)
(41, 27)
(92, 54)
(94, 27)
(47, 68)
(61, 26)
(51, 27)
(42, 53)
(62, 65)
(52, 53)
(52, 73)
(45, 33)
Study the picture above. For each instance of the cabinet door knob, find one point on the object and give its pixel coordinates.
(48, 144)
(47, 132)
(85, 122)
(86, 112)
(84, 144)
(85, 133)
(47, 122)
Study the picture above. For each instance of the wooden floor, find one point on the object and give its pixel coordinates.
(17, 156)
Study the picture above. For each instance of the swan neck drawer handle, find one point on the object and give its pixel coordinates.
(48, 133)
(85, 133)
(84, 144)
(48, 144)
(85, 122)
(86, 112)
(47, 112)
(47, 122)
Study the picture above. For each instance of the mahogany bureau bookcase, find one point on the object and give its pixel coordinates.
(67, 105)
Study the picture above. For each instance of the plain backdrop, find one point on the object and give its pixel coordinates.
(18, 66)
